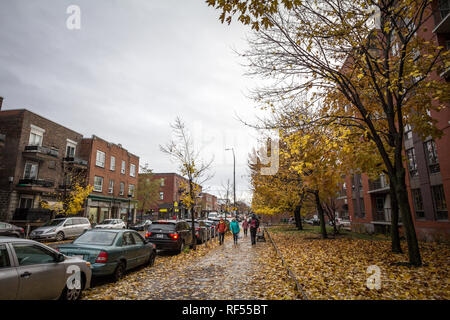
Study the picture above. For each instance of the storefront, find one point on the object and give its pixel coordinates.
(100, 208)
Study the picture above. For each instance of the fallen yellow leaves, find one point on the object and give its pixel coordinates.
(337, 268)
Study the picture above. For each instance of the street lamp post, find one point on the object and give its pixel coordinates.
(234, 180)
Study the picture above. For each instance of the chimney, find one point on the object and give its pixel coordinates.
(1, 102)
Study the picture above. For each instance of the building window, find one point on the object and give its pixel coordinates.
(70, 148)
(36, 136)
(122, 188)
(122, 170)
(100, 160)
(31, 170)
(408, 132)
(161, 196)
(418, 203)
(112, 166)
(111, 186)
(132, 170)
(412, 163)
(131, 190)
(162, 182)
(362, 207)
(26, 202)
(432, 157)
(98, 184)
(444, 8)
(439, 202)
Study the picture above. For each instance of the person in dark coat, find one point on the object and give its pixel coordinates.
(254, 224)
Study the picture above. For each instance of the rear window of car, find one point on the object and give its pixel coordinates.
(105, 238)
(162, 226)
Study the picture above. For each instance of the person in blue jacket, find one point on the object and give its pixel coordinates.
(234, 226)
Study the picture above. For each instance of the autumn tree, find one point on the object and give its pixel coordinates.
(182, 151)
(147, 189)
(365, 56)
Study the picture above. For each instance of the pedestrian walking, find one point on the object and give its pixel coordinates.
(245, 226)
(254, 225)
(235, 229)
(221, 228)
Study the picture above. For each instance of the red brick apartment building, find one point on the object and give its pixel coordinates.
(428, 182)
(113, 172)
(170, 192)
(37, 158)
(209, 202)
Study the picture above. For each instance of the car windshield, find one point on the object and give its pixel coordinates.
(162, 226)
(105, 238)
(54, 222)
(107, 222)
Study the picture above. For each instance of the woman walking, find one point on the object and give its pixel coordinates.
(234, 226)
(221, 228)
(245, 226)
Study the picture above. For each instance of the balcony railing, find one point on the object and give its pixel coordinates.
(76, 161)
(384, 215)
(36, 182)
(380, 183)
(42, 150)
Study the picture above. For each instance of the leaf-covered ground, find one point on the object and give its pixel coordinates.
(337, 268)
(211, 272)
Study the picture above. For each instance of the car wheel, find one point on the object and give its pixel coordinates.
(151, 259)
(72, 294)
(60, 236)
(119, 272)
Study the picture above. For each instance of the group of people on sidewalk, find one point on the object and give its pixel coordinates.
(251, 223)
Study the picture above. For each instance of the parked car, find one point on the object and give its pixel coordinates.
(111, 224)
(111, 252)
(10, 230)
(212, 214)
(60, 229)
(212, 227)
(141, 226)
(30, 270)
(201, 231)
(170, 234)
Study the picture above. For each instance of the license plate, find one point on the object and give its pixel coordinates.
(160, 236)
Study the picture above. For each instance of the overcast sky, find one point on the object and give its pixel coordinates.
(128, 72)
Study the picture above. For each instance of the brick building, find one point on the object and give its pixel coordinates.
(428, 163)
(37, 160)
(113, 172)
(209, 203)
(171, 190)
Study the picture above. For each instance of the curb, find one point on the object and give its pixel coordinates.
(291, 274)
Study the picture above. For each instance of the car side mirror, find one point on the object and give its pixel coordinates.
(60, 257)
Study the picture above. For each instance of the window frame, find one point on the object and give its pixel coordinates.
(112, 164)
(123, 167)
(25, 170)
(101, 189)
(98, 162)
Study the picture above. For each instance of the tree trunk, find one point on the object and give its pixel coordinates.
(405, 211)
(191, 211)
(298, 218)
(321, 214)
(395, 236)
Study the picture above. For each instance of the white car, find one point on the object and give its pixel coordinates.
(111, 224)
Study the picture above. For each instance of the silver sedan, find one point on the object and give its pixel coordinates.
(30, 270)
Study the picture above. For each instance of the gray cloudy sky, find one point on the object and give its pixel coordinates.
(128, 72)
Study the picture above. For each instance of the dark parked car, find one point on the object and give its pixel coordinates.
(201, 231)
(141, 226)
(170, 234)
(111, 251)
(10, 230)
